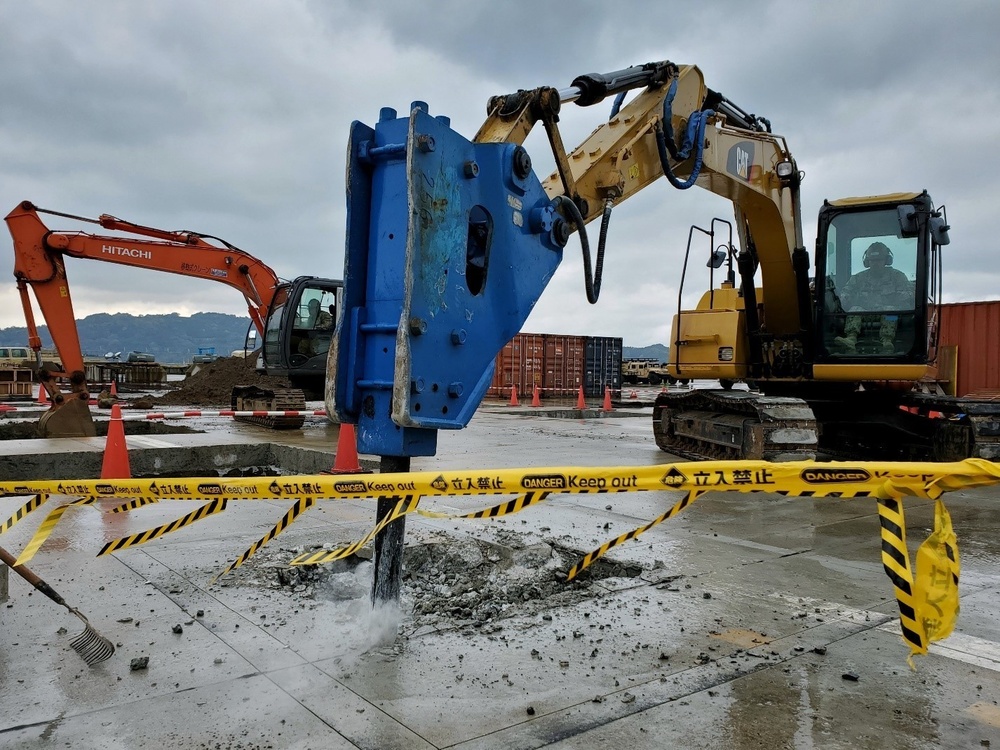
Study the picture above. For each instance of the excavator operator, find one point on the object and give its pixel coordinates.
(879, 287)
(319, 325)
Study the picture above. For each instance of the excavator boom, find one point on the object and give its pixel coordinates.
(273, 305)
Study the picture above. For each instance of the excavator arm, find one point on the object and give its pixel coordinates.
(721, 149)
(39, 264)
(39, 255)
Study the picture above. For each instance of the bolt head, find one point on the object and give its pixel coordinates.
(560, 232)
(522, 163)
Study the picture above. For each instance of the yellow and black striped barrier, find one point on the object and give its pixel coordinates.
(927, 597)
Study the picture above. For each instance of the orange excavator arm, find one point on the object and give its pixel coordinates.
(39, 255)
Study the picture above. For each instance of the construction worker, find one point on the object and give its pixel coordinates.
(879, 287)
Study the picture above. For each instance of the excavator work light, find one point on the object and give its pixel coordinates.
(784, 169)
(725, 354)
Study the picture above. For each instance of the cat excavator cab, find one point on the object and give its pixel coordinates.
(295, 337)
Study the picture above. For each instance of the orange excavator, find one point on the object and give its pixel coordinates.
(295, 319)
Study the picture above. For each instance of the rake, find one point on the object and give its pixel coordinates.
(90, 645)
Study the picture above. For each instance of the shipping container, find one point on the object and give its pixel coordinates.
(563, 368)
(519, 365)
(973, 329)
(558, 365)
(603, 366)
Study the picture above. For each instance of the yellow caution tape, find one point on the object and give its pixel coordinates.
(896, 563)
(511, 506)
(294, 512)
(400, 509)
(47, 527)
(408, 505)
(215, 506)
(801, 478)
(598, 553)
(21, 512)
(133, 504)
(936, 580)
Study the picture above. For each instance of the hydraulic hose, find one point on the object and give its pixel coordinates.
(592, 275)
(694, 138)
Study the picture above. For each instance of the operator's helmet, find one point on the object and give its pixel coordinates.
(877, 251)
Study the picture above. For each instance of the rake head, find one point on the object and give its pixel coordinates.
(91, 645)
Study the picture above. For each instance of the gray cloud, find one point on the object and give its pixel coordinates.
(231, 118)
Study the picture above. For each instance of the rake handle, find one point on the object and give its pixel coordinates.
(30, 577)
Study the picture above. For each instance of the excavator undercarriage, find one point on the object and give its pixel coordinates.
(252, 398)
(863, 425)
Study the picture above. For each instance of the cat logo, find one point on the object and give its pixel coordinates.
(739, 162)
(543, 482)
(351, 488)
(210, 489)
(834, 476)
(673, 478)
(439, 484)
(105, 489)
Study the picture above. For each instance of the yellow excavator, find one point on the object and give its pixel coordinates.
(832, 355)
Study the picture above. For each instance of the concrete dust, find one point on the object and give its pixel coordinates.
(447, 583)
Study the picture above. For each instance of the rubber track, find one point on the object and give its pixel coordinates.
(766, 416)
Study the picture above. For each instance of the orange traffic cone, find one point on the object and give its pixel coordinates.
(580, 403)
(535, 397)
(346, 459)
(513, 397)
(607, 399)
(43, 395)
(633, 394)
(115, 464)
(114, 388)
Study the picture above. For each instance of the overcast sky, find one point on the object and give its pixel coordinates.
(231, 118)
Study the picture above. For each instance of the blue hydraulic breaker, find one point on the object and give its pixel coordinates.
(449, 245)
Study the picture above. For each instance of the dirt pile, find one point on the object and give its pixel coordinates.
(213, 383)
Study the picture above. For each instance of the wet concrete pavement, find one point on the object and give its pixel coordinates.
(755, 621)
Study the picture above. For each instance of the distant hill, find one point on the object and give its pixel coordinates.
(654, 351)
(174, 338)
(170, 338)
